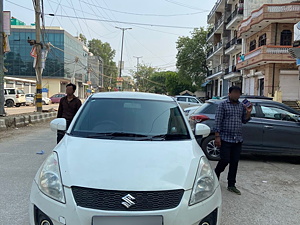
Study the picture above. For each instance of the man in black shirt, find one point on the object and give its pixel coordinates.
(68, 107)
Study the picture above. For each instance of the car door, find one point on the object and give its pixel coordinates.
(281, 129)
(253, 132)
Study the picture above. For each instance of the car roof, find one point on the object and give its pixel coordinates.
(133, 95)
(187, 96)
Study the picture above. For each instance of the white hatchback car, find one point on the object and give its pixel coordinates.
(126, 159)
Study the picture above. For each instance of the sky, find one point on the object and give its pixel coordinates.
(155, 44)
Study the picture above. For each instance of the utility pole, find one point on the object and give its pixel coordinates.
(137, 69)
(2, 111)
(38, 65)
(137, 62)
(123, 31)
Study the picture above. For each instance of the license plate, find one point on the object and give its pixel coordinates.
(127, 220)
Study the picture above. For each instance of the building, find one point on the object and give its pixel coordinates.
(66, 59)
(95, 64)
(267, 67)
(229, 42)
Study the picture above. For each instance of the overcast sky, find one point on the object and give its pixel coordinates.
(156, 45)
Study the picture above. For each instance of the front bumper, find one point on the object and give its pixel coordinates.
(71, 214)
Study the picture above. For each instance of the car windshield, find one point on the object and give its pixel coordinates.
(130, 119)
(20, 92)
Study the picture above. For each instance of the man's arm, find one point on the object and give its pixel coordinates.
(78, 105)
(247, 114)
(60, 109)
(218, 122)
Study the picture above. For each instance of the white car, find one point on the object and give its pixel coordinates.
(126, 159)
(14, 97)
(187, 101)
(30, 99)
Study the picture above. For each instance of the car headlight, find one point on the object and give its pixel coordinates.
(49, 179)
(205, 184)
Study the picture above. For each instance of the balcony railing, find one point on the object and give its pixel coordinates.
(234, 41)
(266, 53)
(237, 11)
(272, 11)
(214, 48)
(214, 9)
(217, 69)
(215, 27)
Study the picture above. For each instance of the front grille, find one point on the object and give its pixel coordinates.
(112, 200)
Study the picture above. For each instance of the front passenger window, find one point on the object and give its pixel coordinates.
(274, 113)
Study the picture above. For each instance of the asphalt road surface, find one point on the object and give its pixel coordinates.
(270, 186)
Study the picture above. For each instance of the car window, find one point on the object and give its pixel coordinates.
(20, 92)
(10, 91)
(208, 108)
(181, 99)
(193, 100)
(276, 113)
(142, 117)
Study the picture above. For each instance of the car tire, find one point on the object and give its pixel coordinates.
(18, 104)
(10, 103)
(210, 150)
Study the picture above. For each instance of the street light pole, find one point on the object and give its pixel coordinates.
(38, 65)
(2, 111)
(123, 31)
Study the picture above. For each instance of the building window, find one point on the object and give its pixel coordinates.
(252, 45)
(262, 40)
(286, 37)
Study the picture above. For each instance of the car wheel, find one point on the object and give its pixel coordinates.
(10, 103)
(211, 151)
(18, 105)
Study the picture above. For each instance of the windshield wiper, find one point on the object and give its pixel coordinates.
(115, 134)
(171, 136)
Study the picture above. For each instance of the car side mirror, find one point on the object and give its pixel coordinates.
(202, 130)
(58, 124)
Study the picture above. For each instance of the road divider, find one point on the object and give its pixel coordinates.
(17, 121)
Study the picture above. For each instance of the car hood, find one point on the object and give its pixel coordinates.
(128, 165)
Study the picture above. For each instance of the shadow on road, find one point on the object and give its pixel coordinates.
(268, 158)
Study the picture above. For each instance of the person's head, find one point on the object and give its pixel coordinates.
(235, 93)
(70, 89)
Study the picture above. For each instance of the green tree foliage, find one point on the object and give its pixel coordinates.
(191, 57)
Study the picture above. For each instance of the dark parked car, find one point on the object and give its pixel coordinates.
(273, 129)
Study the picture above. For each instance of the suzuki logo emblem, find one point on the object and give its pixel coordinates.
(128, 201)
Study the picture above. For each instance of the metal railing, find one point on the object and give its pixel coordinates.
(237, 11)
(234, 41)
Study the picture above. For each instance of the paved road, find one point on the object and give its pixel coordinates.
(270, 186)
(27, 109)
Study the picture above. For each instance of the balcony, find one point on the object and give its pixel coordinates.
(217, 28)
(215, 50)
(235, 18)
(215, 72)
(232, 72)
(265, 54)
(267, 14)
(219, 6)
(233, 46)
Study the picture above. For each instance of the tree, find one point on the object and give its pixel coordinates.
(175, 84)
(142, 77)
(104, 50)
(191, 56)
(83, 39)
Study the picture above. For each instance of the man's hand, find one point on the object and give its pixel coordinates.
(218, 141)
(249, 109)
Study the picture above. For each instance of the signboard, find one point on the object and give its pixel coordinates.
(6, 22)
(45, 90)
